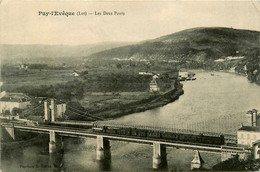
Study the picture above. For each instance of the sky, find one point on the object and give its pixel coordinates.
(22, 24)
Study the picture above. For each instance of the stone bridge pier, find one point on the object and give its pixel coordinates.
(103, 149)
(10, 130)
(159, 156)
(55, 144)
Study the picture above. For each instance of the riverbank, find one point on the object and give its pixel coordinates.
(151, 102)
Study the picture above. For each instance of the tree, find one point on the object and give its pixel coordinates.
(119, 66)
(7, 112)
(17, 111)
(232, 164)
(253, 165)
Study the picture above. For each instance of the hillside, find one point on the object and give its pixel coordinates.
(38, 52)
(199, 44)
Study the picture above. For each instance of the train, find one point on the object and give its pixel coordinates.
(163, 135)
(195, 138)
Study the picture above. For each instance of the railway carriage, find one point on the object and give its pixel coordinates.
(112, 130)
(195, 138)
(98, 129)
(171, 136)
(134, 132)
(154, 134)
(186, 138)
(125, 131)
(206, 139)
(142, 133)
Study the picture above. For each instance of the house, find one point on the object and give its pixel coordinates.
(23, 67)
(154, 85)
(247, 135)
(146, 73)
(9, 101)
(250, 131)
(183, 75)
(75, 73)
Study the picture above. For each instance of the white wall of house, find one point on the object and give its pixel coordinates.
(183, 74)
(247, 138)
(5, 105)
(154, 88)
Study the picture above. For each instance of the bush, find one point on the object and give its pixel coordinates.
(17, 111)
(232, 164)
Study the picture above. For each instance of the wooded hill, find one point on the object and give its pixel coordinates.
(199, 44)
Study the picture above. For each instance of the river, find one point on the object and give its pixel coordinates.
(215, 102)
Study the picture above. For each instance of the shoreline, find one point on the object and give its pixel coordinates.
(159, 101)
(144, 104)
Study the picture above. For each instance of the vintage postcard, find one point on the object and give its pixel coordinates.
(129, 85)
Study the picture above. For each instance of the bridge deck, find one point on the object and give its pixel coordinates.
(77, 132)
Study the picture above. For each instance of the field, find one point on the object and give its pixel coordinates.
(16, 78)
(92, 86)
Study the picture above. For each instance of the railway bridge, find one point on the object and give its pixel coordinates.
(158, 138)
(56, 132)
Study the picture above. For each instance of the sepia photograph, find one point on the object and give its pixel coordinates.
(129, 86)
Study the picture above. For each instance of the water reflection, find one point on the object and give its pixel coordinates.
(104, 165)
(8, 153)
(56, 162)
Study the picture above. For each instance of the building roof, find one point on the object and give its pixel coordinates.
(14, 97)
(250, 128)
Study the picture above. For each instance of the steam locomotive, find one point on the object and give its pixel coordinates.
(165, 135)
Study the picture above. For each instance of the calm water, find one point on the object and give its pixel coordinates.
(211, 103)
